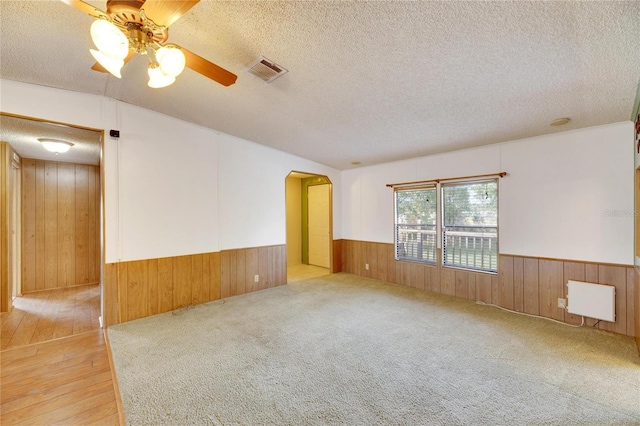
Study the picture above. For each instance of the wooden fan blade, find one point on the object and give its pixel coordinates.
(209, 69)
(166, 12)
(100, 68)
(85, 7)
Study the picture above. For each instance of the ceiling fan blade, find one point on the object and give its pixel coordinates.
(85, 7)
(166, 12)
(209, 69)
(100, 68)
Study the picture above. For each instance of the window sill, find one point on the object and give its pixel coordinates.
(479, 271)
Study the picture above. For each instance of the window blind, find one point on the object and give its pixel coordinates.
(415, 224)
(470, 225)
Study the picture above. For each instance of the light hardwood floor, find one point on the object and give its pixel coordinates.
(51, 314)
(302, 272)
(65, 381)
(55, 365)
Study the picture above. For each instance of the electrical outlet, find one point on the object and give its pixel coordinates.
(366, 266)
(562, 303)
(256, 278)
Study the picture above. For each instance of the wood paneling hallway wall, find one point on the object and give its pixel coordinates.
(60, 224)
(6, 152)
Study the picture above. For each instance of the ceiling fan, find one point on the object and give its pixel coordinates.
(130, 27)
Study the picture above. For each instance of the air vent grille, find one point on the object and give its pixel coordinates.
(266, 69)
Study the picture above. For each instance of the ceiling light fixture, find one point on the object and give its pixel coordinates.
(114, 40)
(560, 121)
(112, 44)
(171, 60)
(113, 65)
(55, 145)
(157, 78)
(138, 27)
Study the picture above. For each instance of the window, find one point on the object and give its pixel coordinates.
(470, 225)
(415, 224)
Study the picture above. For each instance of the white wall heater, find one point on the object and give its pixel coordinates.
(592, 300)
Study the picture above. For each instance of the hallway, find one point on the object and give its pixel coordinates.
(302, 272)
(55, 366)
(51, 314)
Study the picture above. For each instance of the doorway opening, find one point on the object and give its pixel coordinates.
(309, 225)
(55, 221)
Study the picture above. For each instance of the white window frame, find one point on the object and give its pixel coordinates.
(466, 241)
(419, 237)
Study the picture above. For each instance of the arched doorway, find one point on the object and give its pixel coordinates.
(309, 225)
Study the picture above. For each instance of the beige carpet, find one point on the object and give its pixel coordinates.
(342, 350)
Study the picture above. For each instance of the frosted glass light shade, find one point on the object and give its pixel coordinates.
(157, 78)
(56, 146)
(109, 39)
(171, 60)
(112, 65)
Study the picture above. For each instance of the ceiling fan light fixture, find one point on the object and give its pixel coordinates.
(171, 60)
(157, 78)
(109, 39)
(130, 27)
(112, 65)
(55, 145)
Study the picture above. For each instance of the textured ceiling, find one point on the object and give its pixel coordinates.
(367, 81)
(23, 134)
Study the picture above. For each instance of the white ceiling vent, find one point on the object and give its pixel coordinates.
(266, 69)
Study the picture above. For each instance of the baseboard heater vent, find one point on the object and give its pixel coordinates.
(592, 300)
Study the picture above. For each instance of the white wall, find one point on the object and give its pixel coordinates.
(587, 175)
(171, 187)
(168, 186)
(252, 192)
(557, 201)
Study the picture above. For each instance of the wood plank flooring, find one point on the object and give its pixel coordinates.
(50, 314)
(54, 363)
(302, 272)
(65, 381)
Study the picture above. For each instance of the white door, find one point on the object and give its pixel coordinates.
(318, 211)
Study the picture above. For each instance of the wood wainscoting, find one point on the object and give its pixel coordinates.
(239, 267)
(336, 255)
(523, 284)
(141, 288)
(60, 225)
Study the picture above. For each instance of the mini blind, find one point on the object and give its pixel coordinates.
(470, 225)
(415, 224)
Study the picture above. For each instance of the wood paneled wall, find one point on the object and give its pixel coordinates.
(239, 267)
(147, 287)
(5, 163)
(60, 224)
(523, 284)
(336, 256)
